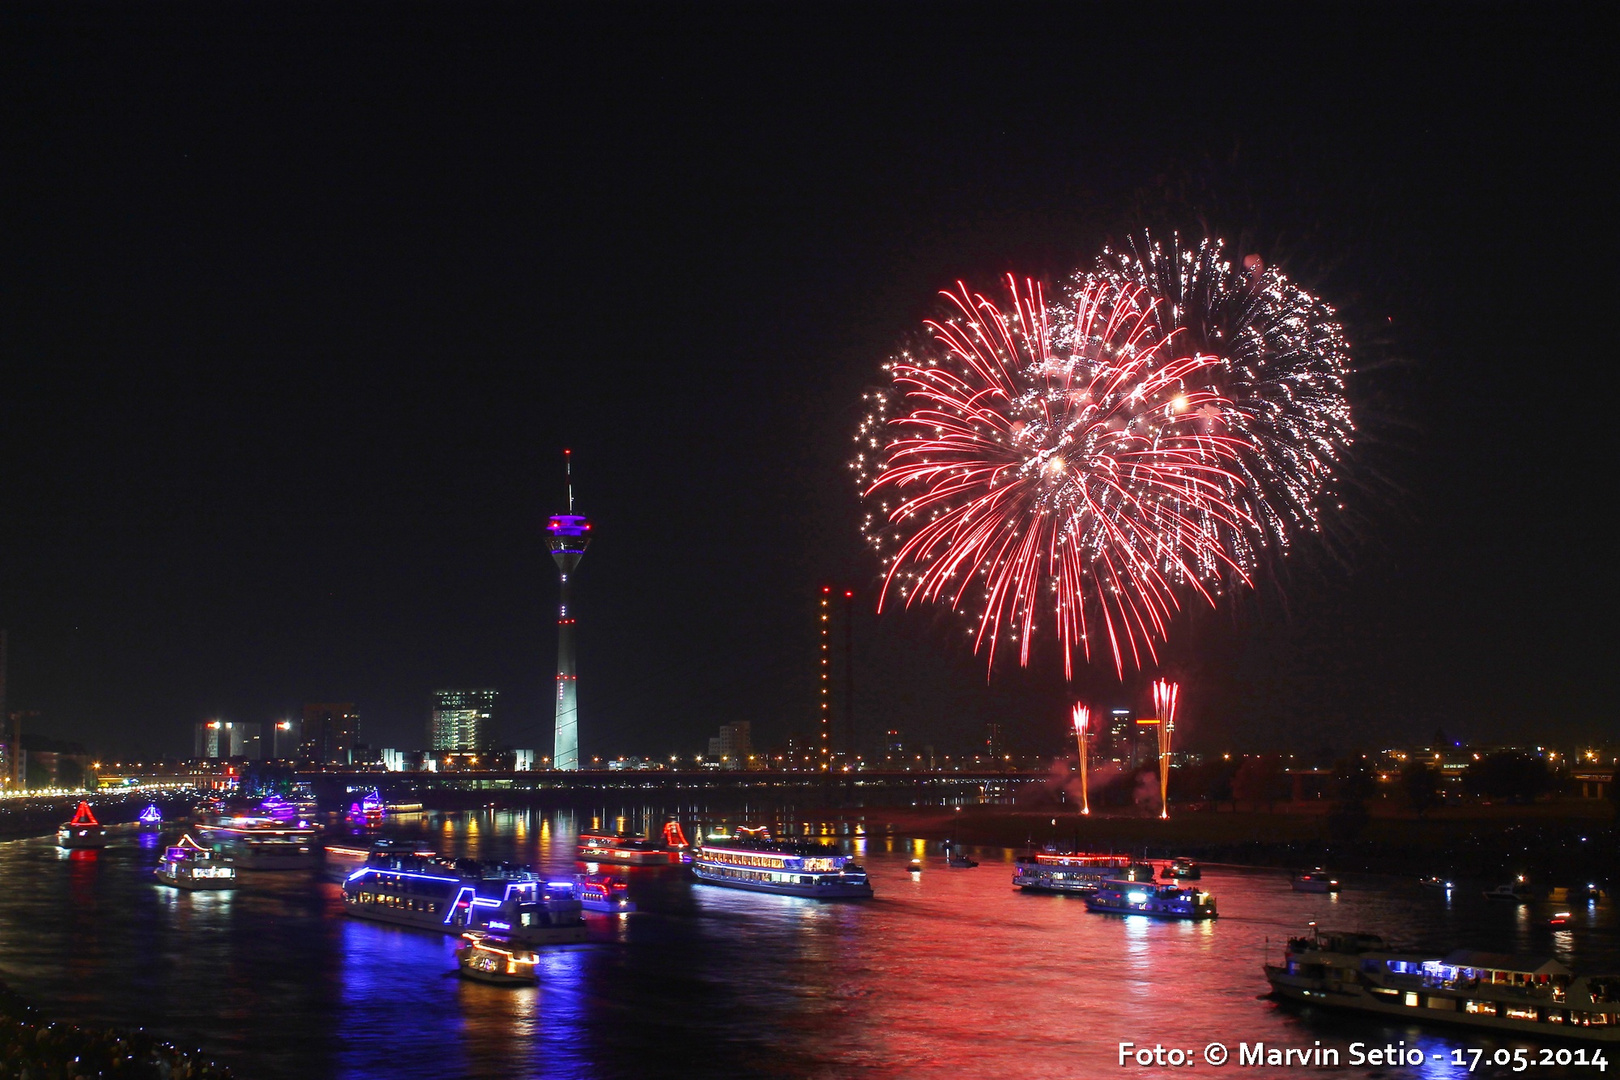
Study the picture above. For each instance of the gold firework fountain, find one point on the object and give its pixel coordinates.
(1082, 721)
(1165, 694)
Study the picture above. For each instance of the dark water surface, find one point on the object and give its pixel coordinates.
(951, 973)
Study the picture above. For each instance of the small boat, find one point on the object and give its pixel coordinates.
(369, 811)
(1434, 881)
(1516, 893)
(1558, 918)
(1316, 880)
(84, 831)
(1589, 891)
(151, 819)
(915, 866)
(189, 865)
(1182, 870)
(605, 893)
(956, 857)
(491, 958)
(1156, 901)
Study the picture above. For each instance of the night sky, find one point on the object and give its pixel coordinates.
(301, 306)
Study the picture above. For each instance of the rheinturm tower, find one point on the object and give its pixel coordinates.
(570, 533)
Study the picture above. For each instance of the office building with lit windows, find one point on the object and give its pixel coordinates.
(461, 721)
(330, 733)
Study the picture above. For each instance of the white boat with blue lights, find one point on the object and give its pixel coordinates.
(1155, 901)
(753, 860)
(453, 896)
(1524, 995)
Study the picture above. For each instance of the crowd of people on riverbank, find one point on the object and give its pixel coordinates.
(33, 1048)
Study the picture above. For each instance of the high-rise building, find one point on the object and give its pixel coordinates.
(461, 720)
(206, 739)
(993, 740)
(331, 733)
(733, 745)
(285, 738)
(228, 739)
(570, 534)
(1122, 737)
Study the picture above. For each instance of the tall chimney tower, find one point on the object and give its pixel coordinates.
(570, 533)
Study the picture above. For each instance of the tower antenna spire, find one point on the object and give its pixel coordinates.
(568, 471)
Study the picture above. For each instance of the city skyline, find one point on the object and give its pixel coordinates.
(283, 428)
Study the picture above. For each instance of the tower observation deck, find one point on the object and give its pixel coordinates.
(570, 533)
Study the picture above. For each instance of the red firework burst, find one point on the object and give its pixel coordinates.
(1063, 464)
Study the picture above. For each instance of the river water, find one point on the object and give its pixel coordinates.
(950, 973)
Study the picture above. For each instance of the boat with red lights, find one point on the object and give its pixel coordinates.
(453, 896)
(1076, 872)
(1522, 995)
(754, 860)
(84, 831)
(628, 849)
(605, 893)
(495, 959)
(1155, 901)
(189, 865)
(1316, 880)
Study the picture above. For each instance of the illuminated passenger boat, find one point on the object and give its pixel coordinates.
(630, 850)
(1076, 872)
(454, 896)
(605, 893)
(269, 837)
(1523, 995)
(84, 831)
(189, 865)
(151, 819)
(1156, 901)
(1182, 870)
(265, 847)
(492, 958)
(752, 860)
(355, 853)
